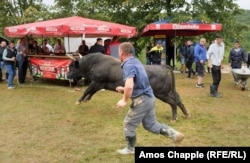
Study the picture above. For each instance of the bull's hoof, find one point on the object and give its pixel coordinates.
(78, 102)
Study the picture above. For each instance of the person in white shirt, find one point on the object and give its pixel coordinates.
(215, 55)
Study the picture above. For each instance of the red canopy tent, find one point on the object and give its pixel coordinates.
(71, 26)
(56, 67)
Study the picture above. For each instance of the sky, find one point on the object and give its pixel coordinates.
(244, 4)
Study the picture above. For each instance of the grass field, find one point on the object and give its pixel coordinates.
(40, 122)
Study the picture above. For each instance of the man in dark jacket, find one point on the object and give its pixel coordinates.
(98, 47)
(236, 57)
(83, 48)
(190, 58)
(2, 47)
(9, 57)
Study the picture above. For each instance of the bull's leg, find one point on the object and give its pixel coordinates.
(89, 92)
(179, 103)
(184, 110)
(174, 112)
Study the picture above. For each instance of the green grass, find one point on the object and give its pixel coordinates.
(41, 123)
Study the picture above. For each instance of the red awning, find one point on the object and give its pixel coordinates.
(71, 26)
(180, 29)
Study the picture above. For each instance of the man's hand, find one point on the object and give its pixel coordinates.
(13, 59)
(120, 89)
(121, 103)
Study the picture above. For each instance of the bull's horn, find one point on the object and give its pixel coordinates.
(71, 57)
(80, 55)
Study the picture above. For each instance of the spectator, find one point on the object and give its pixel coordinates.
(2, 48)
(183, 53)
(155, 53)
(59, 47)
(30, 46)
(236, 57)
(200, 53)
(23, 44)
(98, 47)
(190, 58)
(45, 48)
(215, 55)
(148, 48)
(22, 60)
(209, 68)
(36, 48)
(170, 55)
(114, 46)
(9, 57)
(107, 43)
(83, 48)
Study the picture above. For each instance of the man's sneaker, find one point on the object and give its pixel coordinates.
(178, 138)
(126, 151)
(199, 85)
(11, 87)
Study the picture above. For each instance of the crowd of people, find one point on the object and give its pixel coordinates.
(196, 59)
(14, 56)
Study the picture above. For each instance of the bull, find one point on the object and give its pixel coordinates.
(104, 72)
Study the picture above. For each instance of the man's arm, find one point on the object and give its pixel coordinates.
(128, 90)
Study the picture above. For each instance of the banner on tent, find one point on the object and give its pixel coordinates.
(51, 68)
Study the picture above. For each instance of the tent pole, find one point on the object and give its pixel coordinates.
(68, 44)
(175, 50)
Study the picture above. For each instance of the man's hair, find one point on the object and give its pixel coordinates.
(98, 39)
(126, 47)
(218, 35)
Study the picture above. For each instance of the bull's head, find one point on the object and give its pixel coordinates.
(74, 73)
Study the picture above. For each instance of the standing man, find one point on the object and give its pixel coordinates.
(170, 55)
(190, 58)
(9, 57)
(148, 48)
(59, 47)
(142, 108)
(97, 47)
(2, 47)
(83, 48)
(236, 57)
(200, 54)
(215, 55)
(155, 53)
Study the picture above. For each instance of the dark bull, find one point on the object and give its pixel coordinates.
(104, 72)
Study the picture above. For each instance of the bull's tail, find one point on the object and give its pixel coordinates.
(177, 98)
(172, 75)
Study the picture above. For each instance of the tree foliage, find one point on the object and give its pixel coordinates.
(130, 12)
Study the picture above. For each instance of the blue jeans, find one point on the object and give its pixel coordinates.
(1, 70)
(10, 69)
